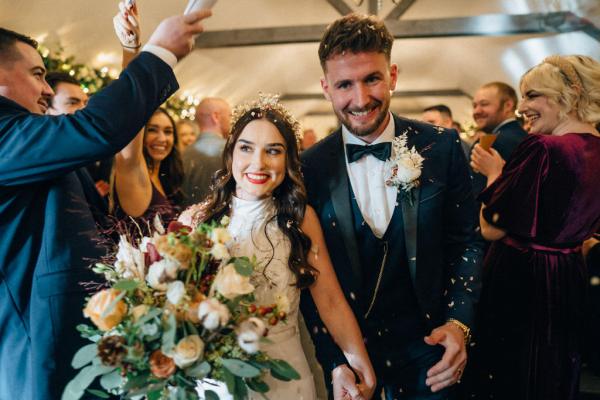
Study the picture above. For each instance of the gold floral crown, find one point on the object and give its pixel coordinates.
(264, 103)
(567, 69)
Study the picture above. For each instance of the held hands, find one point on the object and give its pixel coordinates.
(344, 384)
(487, 163)
(127, 26)
(450, 368)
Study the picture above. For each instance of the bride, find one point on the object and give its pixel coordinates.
(260, 188)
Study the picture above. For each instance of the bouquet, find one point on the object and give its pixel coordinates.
(178, 310)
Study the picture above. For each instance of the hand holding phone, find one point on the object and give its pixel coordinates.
(195, 5)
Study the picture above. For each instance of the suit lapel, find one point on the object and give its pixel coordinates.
(340, 198)
(409, 212)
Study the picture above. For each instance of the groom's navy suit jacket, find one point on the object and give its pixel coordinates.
(48, 235)
(439, 234)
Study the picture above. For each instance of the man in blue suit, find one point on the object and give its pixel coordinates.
(405, 255)
(494, 106)
(48, 235)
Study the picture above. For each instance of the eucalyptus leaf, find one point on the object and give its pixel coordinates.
(156, 395)
(199, 371)
(243, 266)
(241, 390)
(210, 395)
(98, 393)
(152, 313)
(126, 284)
(76, 387)
(112, 305)
(240, 368)
(258, 385)
(146, 389)
(281, 369)
(112, 380)
(84, 355)
(169, 332)
(136, 382)
(229, 380)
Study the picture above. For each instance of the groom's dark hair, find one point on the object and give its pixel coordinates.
(8, 51)
(355, 33)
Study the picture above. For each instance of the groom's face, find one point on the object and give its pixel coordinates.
(359, 86)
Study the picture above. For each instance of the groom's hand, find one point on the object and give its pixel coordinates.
(450, 368)
(344, 384)
(176, 33)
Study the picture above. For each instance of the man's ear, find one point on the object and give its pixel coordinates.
(509, 106)
(393, 76)
(325, 87)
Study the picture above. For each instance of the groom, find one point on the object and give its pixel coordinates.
(405, 257)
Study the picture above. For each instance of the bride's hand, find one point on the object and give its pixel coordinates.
(127, 26)
(366, 375)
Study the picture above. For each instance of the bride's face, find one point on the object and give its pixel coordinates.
(259, 160)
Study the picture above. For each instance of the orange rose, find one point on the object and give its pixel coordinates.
(161, 365)
(98, 305)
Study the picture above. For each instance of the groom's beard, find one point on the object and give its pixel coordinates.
(365, 130)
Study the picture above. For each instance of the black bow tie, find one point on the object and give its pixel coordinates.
(382, 151)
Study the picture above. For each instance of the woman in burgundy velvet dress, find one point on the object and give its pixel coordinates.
(538, 210)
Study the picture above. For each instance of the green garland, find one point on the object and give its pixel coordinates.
(94, 79)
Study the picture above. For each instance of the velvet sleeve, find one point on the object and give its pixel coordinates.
(512, 201)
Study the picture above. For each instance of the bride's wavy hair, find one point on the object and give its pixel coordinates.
(290, 196)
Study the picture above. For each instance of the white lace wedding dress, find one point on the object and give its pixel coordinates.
(272, 280)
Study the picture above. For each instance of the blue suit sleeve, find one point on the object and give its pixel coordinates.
(35, 148)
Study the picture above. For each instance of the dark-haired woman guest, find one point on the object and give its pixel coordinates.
(148, 172)
(260, 189)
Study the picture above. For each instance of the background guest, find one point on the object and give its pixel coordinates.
(439, 115)
(148, 171)
(538, 210)
(309, 138)
(494, 106)
(187, 132)
(203, 158)
(68, 98)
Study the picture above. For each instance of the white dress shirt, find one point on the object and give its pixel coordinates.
(375, 199)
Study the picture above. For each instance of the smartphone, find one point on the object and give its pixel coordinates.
(195, 5)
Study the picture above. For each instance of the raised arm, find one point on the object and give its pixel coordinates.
(35, 148)
(335, 311)
(131, 177)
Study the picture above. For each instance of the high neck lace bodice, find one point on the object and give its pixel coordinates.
(253, 227)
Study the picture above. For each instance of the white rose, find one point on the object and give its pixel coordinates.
(130, 261)
(161, 273)
(220, 235)
(175, 292)
(407, 171)
(231, 284)
(225, 220)
(212, 313)
(249, 334)
(219, 251)
(188, 350)
(283, 302)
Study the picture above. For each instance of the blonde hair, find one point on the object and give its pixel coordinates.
(572, 82)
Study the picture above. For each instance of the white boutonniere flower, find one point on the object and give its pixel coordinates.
(404, 167)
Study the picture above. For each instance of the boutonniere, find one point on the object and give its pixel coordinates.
(404, 166)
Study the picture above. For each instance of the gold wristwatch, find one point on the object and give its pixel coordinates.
(465, 329)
